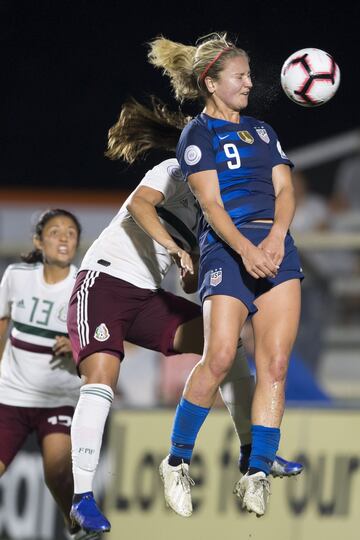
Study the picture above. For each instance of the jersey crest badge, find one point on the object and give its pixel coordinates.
(175, 172)
(263, 134)
(102, 333)
(192, 155)
(62, 313)
(216, 277)
(246, 136)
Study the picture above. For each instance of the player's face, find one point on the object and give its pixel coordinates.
(58, 241)
(234, 84)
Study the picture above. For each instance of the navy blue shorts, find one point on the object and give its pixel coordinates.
(223, 272)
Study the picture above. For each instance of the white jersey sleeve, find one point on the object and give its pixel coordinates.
(125, 251)
(163, 177)
(5, 304)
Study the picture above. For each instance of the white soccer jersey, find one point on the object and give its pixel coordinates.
(30, 375)
(125, 251)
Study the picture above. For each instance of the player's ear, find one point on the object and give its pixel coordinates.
(37, 242)
(210, 85)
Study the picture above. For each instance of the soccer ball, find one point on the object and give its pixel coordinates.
(310, 77)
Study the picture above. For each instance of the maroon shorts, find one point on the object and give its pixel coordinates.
(16, 423)
(104, 311)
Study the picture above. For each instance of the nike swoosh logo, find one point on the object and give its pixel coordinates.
(223, 137)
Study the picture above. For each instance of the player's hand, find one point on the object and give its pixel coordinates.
(182, 260)
(258, 262)
(62, 346)
(274, 245)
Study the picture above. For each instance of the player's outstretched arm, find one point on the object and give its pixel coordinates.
(142, 207)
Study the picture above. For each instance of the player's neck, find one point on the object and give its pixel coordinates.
(54, 273)
(222, 112)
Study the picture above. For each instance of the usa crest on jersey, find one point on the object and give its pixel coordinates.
(263, 134)
(216, 277)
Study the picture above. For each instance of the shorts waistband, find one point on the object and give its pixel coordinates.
(256, 225)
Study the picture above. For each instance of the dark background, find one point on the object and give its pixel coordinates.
(67, 67)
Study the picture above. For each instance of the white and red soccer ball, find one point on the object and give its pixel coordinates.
(310, 77)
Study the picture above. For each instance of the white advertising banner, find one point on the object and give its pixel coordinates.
(321, 504)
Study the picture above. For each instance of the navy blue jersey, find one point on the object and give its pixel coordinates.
(243, 155)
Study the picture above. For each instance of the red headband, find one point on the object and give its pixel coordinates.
(203, 75)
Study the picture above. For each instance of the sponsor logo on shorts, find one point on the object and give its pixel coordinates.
(192, 155)
(263, 134)
(102, 333)
(216, 277)
(246, 136)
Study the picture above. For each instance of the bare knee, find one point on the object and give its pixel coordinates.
(275, 369)
(100, 368)
(220, 362)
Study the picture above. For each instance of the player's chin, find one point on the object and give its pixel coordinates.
(243, 102)
(62, 262)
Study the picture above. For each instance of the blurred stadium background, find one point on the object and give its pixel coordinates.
(69, 67)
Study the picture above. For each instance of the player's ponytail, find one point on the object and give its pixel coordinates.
(176, 61)
(140, 129)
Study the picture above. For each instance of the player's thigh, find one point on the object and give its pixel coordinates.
(189, 336)
(156, 325)
(224, 317)
(276, 322)
(53, 426)
(14, 429)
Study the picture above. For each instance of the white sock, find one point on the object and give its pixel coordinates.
(237, 390)
(87, 431)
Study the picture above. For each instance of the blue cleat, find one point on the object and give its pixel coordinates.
(281, 467)
(87, 515)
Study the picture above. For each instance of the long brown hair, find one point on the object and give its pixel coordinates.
(140, 128)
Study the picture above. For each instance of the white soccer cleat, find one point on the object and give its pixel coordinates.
(177, 487)
(254, 492)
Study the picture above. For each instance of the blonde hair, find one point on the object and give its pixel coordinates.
(140, 129)
(187, 66)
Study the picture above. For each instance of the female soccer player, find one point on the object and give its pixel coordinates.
(249, 266)
(118, 296)
(39, 386)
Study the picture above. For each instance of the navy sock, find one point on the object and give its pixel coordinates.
(245, 451)
(265, 444)
(187, 423)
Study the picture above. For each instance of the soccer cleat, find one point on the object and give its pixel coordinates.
(254, 492)
(281, 467)
(76, 533)
(177, 488)
(87, 515)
